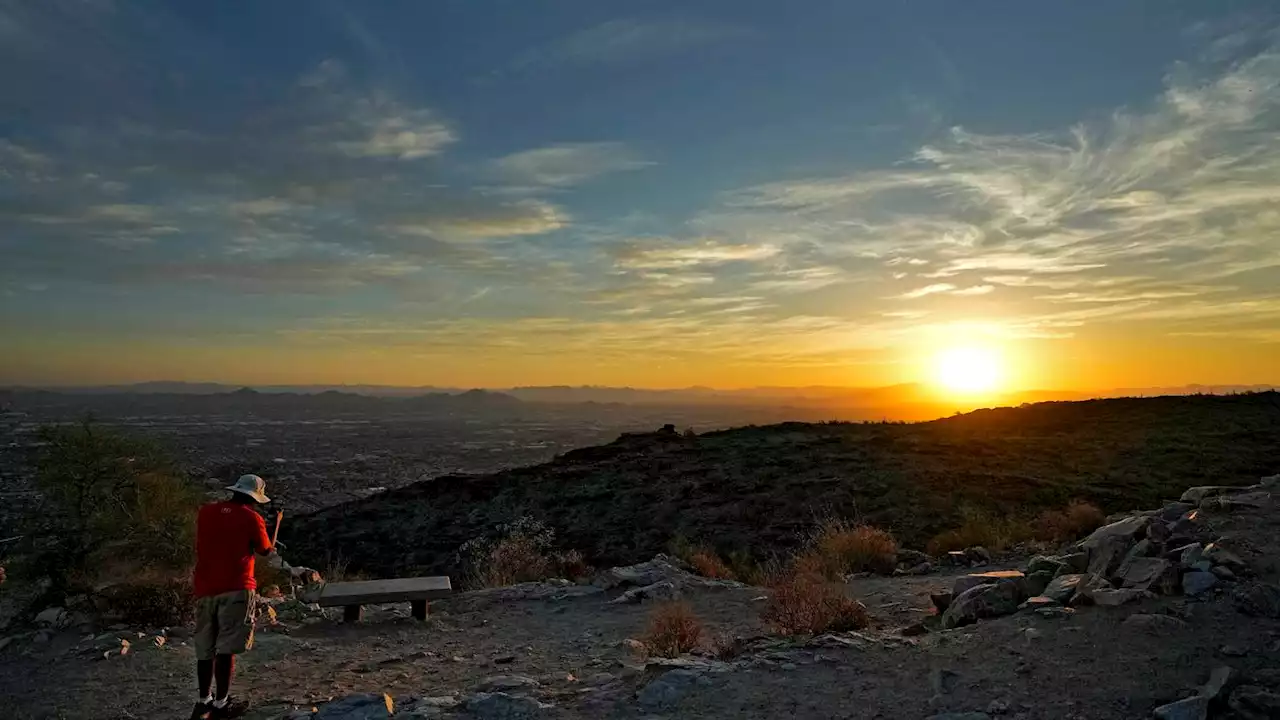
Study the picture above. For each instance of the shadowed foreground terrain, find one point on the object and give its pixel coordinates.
(757, 489)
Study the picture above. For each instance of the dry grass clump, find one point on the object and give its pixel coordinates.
(979, 527)
(806, 604)
(838, 548)
(150, 601)
(673, 631)
(521, 551)
(1076, 520)
(708, 564)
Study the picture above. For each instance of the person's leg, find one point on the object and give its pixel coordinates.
(204, 677)
(224, 666)
(205, 640)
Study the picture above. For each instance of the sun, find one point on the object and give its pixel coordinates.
(968, 370)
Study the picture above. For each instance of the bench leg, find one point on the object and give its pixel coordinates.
(419, 609)
(352, 613)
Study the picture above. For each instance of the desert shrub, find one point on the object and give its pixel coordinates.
(806, 604)
(979, 527)
(673, 631)
(841, 548)
(708, 564)
(150, 602)
(570, 564)
(520, 551)
(1075, 520)
(108, 496)
(745, 568)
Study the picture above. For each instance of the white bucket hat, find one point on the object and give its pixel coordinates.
(253, 486)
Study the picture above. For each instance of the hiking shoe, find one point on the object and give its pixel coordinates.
(202, 711)
(233, 709)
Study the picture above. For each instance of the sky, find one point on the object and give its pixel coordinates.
(652, 193)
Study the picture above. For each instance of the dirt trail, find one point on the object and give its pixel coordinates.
(1090, 665)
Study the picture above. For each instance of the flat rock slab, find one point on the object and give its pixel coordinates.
(372, 592)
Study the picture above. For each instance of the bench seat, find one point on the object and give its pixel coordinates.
(353, 595)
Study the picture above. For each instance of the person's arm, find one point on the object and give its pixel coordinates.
(261, 542)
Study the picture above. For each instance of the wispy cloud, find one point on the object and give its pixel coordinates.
(628, 39)
(566, 164)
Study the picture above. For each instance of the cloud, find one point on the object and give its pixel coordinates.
(526, 217)
(628, 40)
(567, 164)
(928, 290)
(261, 206)
(639, 255)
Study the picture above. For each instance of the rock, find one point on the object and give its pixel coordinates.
(1075, 563)
(1176, 511)
(507, 682)
(1143, 572)
(667, 689)
(504, 659)
(1224, 573)
(502, 706)
(1192, 708)
(965, 582)
(1197, 582)
(941, 601)
(1113, 598)
(1219, 680)
(978, 554)
(1196, 495)
(1087, 587)
(923, 568)
(1259, 600)
(1232, 502)
(1054, 612)
(1036, 582)
(1108, 545)
(911, 558)
(52, 617)
(1218, 555)
(1155, 623)
(914, 630)
(1038, 601)
(983, 601)
(1044, 563)
(660, 591)
(367, 706)
(1063, 588)
(961, 716)
(997, 707)
(1189, 555)
(1251, 702)
(956, 558)
(661, 567)
(5, 642)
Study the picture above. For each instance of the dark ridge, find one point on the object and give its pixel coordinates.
(757, 489)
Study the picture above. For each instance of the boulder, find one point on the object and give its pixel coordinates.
(1224, 573)
(661, 567)
(1176, 510)
(1189, 555)
(941, 600)
(1250, 702)
(368, 706)
(1077, 562)
(965, 582)
(1154, 623)
(1044, 563)
(1196, 495)
(507, 682)
(660, 591)
(1087, 587)
(1108, 545)
(1036, 582)
(1219, 681)
(1218, 555)
(1143, 572)
(1112, 598)
(1259, 600)
(1232, 502)
(667, 689)
(502, 706)
(1197, 582)
(52, 617)
(1063, 588)
(1192, 708)
(984, 601)
(978, 555)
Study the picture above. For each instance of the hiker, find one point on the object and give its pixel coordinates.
(228, 534)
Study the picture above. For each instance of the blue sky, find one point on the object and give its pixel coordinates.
(649, 193)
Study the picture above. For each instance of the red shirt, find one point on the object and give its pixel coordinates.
(227, 536)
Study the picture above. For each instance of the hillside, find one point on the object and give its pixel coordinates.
(756, 489)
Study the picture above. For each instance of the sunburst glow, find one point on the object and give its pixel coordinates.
(968, 370)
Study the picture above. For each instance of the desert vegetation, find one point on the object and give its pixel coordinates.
(673, 630)
(806, 603)
(523, 550)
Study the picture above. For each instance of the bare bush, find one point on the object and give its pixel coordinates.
(806, 604)
(842, 548)
(673, 631)
(980, 527)
(1076, 520)
(520, 551)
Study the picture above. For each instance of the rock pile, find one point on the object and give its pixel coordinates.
(1170, 551)
(661, 579)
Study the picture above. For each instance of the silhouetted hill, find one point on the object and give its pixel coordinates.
(758, 488)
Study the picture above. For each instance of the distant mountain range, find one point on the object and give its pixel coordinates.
(812, 396)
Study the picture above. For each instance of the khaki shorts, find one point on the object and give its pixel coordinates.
(224, 623)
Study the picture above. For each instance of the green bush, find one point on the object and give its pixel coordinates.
(108, 497)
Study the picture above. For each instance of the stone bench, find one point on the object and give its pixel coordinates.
(352, 596)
